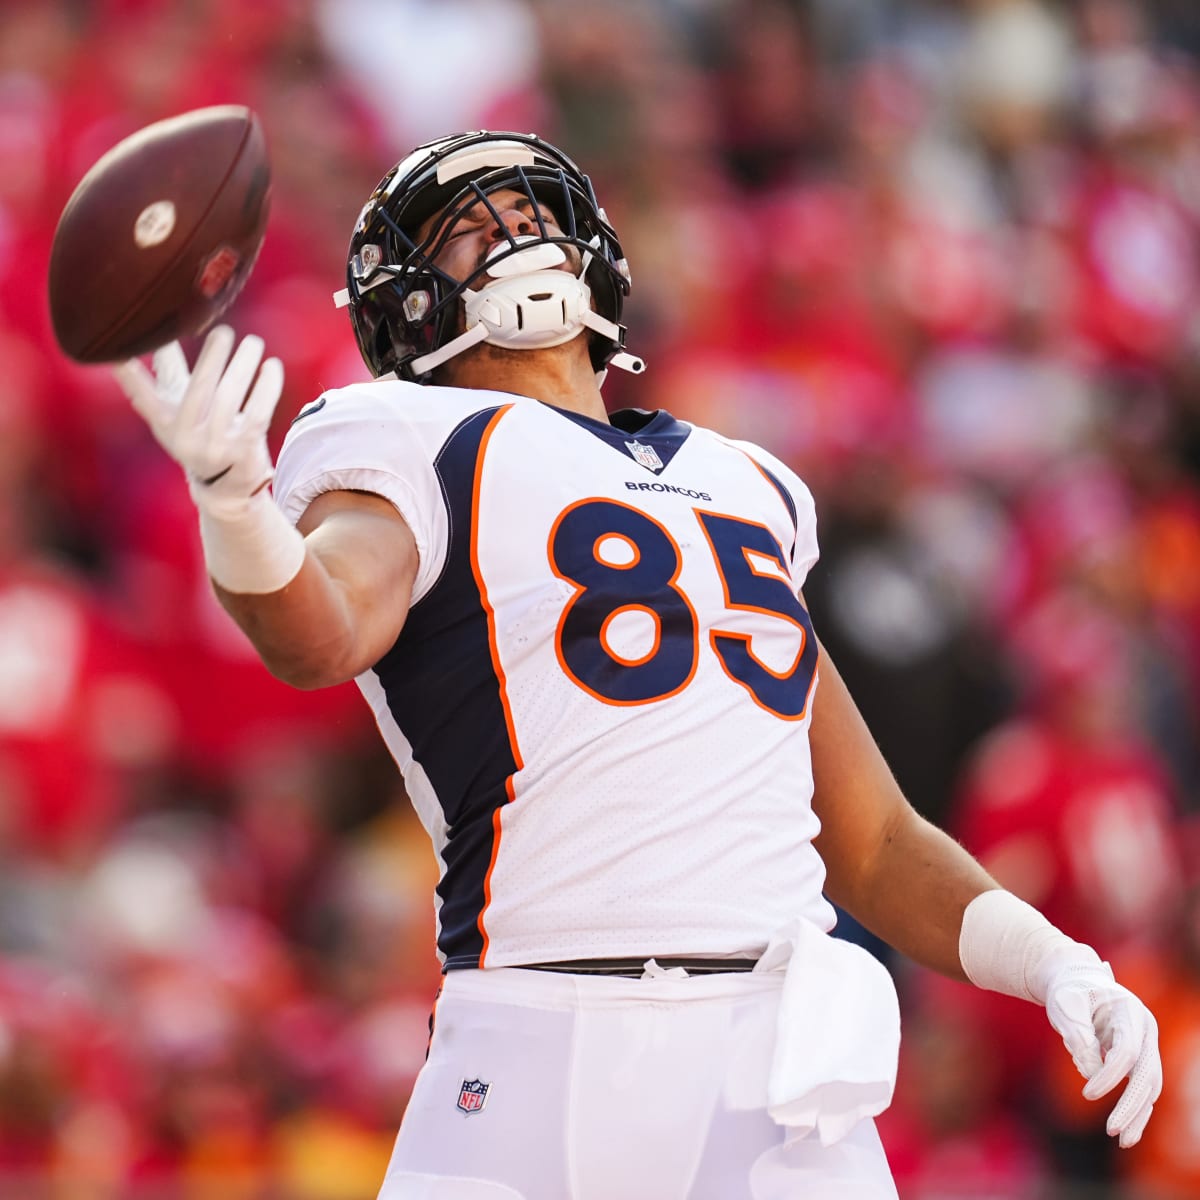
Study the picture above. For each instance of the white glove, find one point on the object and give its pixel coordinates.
(1008, 946)
(1110, 1034)
(211, 420)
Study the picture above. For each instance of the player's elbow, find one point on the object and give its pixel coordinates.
(305, 654)
(860, 859)
(308, 634)
(305, 677)
(310, 668)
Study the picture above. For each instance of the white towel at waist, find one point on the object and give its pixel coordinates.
(837, 1037)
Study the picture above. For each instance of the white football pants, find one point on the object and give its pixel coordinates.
(546, 1086)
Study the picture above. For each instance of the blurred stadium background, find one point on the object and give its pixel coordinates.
(941, 255)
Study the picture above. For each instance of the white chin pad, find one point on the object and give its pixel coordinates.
(541, 256)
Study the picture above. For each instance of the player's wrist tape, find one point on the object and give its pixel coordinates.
(1006, 945)
(255, 551)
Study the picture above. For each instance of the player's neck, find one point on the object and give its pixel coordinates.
(559, 375)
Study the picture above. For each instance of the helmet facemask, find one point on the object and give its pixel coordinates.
(410, 316)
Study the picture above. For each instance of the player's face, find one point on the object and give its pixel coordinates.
(476, 233)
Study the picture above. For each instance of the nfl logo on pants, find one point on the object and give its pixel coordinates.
(472, 1096)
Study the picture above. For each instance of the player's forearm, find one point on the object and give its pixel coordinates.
(304, 633)
(344, 606)
(916, 891)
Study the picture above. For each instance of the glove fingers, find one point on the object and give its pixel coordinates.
(1118, 1062)
(1132, 1133)
(1131, 1107)
(1081, 1041)
(206, 375)
(1111, 1035)
(135, 380)
(1132, 1111)
(171, 373)
(235, 382)
(260, 407)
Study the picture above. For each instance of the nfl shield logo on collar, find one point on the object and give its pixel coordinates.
(472, 1096)
(646, 455)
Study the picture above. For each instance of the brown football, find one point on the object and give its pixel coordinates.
(160, 235)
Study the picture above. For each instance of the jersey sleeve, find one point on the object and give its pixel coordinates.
(355, 439)
(804, 510)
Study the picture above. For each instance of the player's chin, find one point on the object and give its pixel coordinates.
(486, 355)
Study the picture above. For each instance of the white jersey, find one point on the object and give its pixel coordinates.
(600, 699)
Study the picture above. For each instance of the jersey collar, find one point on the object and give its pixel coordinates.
(650, 439)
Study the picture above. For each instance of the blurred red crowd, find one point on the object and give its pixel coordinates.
(942, 258)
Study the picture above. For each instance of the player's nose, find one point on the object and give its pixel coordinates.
(512, 222)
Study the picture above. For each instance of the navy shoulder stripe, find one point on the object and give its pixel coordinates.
(787, 499)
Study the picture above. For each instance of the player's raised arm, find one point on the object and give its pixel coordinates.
(304, 601)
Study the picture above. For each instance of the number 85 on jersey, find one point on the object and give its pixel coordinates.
(619, 560)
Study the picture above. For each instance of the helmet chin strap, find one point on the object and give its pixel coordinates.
(529, 305)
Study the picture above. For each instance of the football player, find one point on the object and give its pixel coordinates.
(584, 641)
